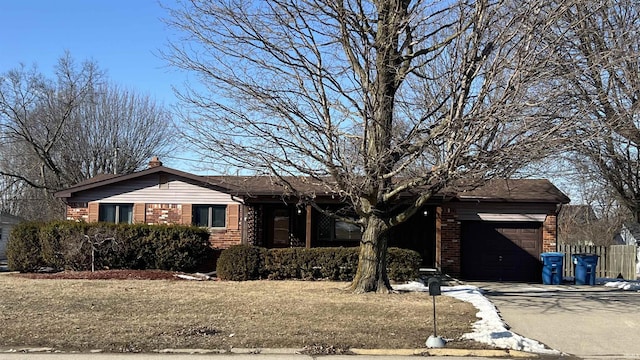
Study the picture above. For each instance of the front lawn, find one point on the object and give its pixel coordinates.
(147, 315)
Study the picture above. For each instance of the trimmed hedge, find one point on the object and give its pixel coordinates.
(68, 245)
(243, 262)
(24, 252)
(403, 264)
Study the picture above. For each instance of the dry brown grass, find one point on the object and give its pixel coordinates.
(144, 315)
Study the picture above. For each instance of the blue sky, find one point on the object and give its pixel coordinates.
(122, 36)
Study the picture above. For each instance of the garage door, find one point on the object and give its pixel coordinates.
(501, 251)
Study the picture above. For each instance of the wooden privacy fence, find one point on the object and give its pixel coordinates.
(613, 260)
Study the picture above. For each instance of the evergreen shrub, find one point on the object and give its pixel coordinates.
(241, 263)
(403, 264)
(23, 249)
(245, 262)
(68, 245)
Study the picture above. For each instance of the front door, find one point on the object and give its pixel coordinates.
(280, 228)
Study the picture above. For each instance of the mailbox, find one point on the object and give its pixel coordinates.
(434, 341)
(434, 286)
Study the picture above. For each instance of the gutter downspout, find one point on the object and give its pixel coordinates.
(243, 220)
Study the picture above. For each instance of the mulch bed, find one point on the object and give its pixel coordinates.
(106, 275)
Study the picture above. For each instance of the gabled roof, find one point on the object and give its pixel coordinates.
(108, 179)
(515, 190)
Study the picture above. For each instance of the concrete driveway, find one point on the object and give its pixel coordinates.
(586, 321)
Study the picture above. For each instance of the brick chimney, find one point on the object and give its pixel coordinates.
(155, 162)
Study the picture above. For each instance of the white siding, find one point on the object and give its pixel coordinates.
(503, 212)
(511, 217)
(147, 190)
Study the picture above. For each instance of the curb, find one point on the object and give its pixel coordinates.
(445, 352)
(291, 351)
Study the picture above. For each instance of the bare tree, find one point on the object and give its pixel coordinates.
(35, 111)
(385, 102)
(57, 132)
(597, 220)
(115, 131)
(597, 53)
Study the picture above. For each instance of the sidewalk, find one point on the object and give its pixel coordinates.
(268, 354)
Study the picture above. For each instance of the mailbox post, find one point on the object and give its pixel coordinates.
(434, 341)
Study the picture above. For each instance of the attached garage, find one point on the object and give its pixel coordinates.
(497, 232)
(501, 251)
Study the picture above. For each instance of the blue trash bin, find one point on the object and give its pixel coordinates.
(585, 268)
(552, 268)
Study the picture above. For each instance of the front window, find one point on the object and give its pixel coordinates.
(347, 231)
(116, 213)
(210, 215)
(330, 229)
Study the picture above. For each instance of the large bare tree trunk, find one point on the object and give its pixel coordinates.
(372, 262)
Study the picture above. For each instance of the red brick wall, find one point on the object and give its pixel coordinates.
(163, 214)
(222, 239)
(450, 242)
(171, 214)
(549, 234)
(78, 212)
(450, 233)
(232, 235)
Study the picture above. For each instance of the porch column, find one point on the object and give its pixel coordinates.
(308, 228)
(438, 254)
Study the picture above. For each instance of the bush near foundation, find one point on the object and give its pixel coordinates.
(241, 263)
(244, 262)
(24, 252)
(403, 264)
(66, 245)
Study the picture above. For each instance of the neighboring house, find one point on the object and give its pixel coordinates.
(7, 222)
(630, 235)
(496, 232)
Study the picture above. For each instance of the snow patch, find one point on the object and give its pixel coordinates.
(623, 284)
(490, 329)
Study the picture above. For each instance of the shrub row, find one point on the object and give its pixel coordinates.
(68, 245)
(243, 262)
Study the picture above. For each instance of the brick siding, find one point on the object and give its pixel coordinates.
(549, 234)
(172, 214)
(163, 214)
(78, 212)
(450, 242)
(450, 234)
(223, 239)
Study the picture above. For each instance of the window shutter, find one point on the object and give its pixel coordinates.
(186, 214)
(93, 211)
(139, 213)
(233, 211)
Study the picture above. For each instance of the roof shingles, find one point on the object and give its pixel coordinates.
(513, 190)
